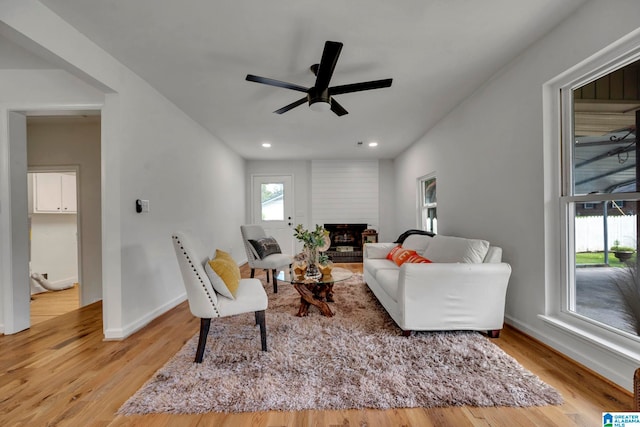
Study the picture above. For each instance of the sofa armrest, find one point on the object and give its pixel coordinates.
(467, 295)
(378, 250)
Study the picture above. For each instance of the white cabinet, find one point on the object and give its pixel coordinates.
(54, 193)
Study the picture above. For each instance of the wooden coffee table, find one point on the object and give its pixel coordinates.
(315, 291)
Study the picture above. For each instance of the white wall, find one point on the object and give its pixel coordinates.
(488, 155)
(150, 150)
(302, 173)
(54, 247)
(387, 200)
(345, 191)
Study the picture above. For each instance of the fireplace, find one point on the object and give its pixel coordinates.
(346, 242)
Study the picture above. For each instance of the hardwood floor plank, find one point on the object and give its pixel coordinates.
(47, 305)
(62, 373)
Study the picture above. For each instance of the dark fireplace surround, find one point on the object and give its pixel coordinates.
(346, 242)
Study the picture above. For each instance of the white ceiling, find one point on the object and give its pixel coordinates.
(198, 52)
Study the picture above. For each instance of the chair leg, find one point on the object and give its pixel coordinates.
(260, 320)
(274, 273)
(202, 340)
(253, 272)
(267, 271)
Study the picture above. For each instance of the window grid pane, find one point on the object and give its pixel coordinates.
(272, 201)
(428, 204)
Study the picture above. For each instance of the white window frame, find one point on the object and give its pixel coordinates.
(422, 207)
(559, 262)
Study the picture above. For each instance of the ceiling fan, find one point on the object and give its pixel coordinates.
(320, 96)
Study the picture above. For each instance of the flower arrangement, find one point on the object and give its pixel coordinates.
(311, 239)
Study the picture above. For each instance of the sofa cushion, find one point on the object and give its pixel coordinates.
(417, 242)
(456, 249)
(494, 254)
(388, 281)
(377, 250)
(375, 265)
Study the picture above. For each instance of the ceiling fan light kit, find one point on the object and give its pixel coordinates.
(320, 106)
(320, 96)
(319, 101)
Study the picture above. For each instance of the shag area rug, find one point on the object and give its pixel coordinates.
(356, 359)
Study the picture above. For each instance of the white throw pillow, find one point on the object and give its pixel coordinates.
(456, 249)
(417, 242)
(378, 250)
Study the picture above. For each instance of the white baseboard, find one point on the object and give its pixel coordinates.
(596, 356)
(116, 334)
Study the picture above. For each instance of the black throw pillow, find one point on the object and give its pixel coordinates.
(265, 246)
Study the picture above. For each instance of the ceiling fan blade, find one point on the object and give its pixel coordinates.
(356, 87)
(292, 105)
(278, 83)
(328, 63)
(337, 108)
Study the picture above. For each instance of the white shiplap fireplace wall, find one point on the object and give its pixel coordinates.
(344, 192)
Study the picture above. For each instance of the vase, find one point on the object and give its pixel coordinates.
(312, 263)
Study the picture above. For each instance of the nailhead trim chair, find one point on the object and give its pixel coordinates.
(206, 304)
(273, 262)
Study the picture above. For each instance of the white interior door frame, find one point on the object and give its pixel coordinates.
(14, 250)
(14, 231)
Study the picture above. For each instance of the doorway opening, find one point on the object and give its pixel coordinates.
(53, 243)
(64, 211)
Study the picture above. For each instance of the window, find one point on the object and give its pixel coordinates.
(427, 203)
(272, 201)
(600, 198)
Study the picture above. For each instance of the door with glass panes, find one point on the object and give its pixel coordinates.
(272, 206)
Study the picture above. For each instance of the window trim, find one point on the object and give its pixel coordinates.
(558, 126)
(420, 205)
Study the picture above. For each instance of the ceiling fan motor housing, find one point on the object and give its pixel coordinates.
(319, 100)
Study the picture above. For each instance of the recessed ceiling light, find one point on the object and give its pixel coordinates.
(266, 145)
(373, 144)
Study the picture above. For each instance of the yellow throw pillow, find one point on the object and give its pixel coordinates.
(228, 271)
(223, 255)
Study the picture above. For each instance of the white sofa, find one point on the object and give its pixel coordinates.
(463, 288)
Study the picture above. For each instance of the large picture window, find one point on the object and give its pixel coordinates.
(427, 203)
(600, 199)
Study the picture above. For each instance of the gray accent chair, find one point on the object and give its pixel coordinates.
(273, 262)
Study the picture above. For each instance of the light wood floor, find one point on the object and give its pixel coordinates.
(62, 373)
(47, 305)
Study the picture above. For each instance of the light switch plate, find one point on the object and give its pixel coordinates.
(145, 205)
